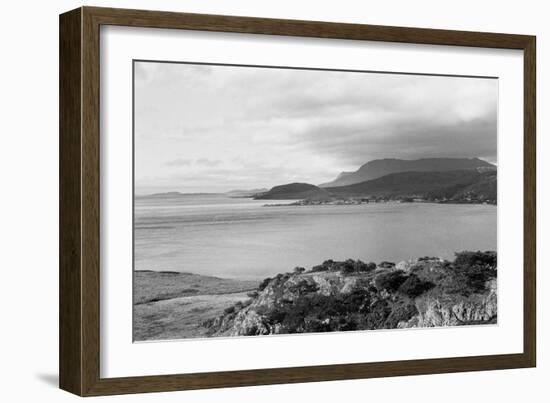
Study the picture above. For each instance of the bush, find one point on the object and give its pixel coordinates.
(229, 310)
(319, 313)
(299, 270)
(387, 265)
(400, 313)
(468, 259)
(354, 266)
(474, 269)
(264, 283)
(347, 269)
(252, 294)
(390, 281)
(414, 286)
(303, 287)
(469, 272)
(475, 277)
(319, 268)
(371, 266)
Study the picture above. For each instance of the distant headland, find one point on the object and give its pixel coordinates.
(442, 180)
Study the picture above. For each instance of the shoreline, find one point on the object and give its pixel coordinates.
(353, 202)
(179, 306)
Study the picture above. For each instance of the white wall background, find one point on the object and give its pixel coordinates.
(29, 202)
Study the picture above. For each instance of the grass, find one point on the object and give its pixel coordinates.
(151, 286)
(172, 305)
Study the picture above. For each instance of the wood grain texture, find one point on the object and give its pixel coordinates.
(530, 202)
(80, 201)
(70, 274)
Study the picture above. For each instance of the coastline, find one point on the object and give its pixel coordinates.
(357, 202)
(421, 292)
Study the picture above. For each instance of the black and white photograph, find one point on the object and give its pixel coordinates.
(271, 200)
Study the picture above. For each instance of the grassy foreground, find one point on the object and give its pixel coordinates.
(172, 305)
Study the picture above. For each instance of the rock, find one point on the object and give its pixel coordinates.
(334, 300)
(405, 265)
(474, 309)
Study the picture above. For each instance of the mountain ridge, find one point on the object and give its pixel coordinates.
(467, 185)
(377, 168)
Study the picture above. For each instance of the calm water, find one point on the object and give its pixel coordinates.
(221, 236)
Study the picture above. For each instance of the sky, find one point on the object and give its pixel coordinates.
(207, 128)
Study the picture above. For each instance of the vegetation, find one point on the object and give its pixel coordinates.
(349, 266)
(376, 296)
(390, 281)
(264, 283)
(413, 286)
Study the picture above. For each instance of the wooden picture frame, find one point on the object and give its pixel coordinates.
(79, 347)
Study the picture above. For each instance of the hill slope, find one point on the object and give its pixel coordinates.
(378, 168)
(294, 191)
(452, 185)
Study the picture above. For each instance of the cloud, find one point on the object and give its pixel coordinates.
(211, 127)
(208, 163)
(180, 162)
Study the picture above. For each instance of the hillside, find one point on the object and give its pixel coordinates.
(450, 185)
(463, 186)
(294, 191)
(378, 168)
(352, 295)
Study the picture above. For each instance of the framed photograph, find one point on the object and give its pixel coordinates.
(248, 201)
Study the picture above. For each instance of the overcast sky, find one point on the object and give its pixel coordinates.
(217, 128)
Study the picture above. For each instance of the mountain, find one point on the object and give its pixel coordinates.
(294, 191)
(466, 185)
(378, 168)
(451, 185)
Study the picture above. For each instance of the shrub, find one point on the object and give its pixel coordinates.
(390, 281)
(264, 283)
(299, 270)
(468, 259)
(370, 266)
(475, 277)
(252, 294)
(414, 286)
(347, 269)
(303, 287)
(229, 310)
(472, 270)
(328, 264)
(319, 313)
(469, 272)
(354, 266)
(319, 268)
(400, 313)
(378, 312)
(387, 265)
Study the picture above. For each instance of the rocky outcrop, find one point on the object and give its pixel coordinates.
(352, 295)
(475, 309)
